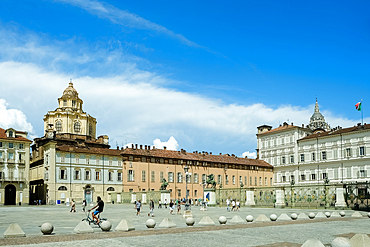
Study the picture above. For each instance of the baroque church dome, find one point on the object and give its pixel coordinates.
(317, 121)
(70, 91)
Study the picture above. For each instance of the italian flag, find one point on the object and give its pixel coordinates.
(358, 106)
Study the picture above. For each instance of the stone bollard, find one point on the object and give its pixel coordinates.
(249, 218)
(106, 226)
(150, 223)
(294, 216)
(222, 220)
(189, 221)
(47, 228)
(360, 240)
(327, 214)
(340, 242)
(342, 213)
(313, 242)
(311, 216)
(273, 217)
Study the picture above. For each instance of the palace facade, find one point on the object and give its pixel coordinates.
(315, 154)
(145, 169)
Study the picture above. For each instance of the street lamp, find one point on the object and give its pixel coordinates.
(186, 170)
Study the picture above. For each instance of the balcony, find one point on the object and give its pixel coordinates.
(12, 179)
(22, 164)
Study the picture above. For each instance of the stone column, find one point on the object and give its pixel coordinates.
(250, 198)
(280, 202)
(340, 202)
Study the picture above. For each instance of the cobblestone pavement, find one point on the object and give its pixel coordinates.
(284, 233)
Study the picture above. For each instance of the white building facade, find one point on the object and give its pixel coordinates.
(14, 167)
(315, 154)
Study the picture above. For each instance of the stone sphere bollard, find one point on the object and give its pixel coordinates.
(342, 213)
(327, 214)
(273, 217)
(311, 216)
(368, 214)
(106, 226)
(249, 218)
(150, 223)
(340, 242)
(222, 220)
(189, 221)
(294, 216)
(47, 228)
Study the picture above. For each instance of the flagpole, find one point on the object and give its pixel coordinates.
(362, 114)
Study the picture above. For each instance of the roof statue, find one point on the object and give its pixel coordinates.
(317, 121)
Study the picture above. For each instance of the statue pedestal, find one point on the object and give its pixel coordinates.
(250, 198)
(210, 196)
(340, 202)
(280, 202)
(165, 195)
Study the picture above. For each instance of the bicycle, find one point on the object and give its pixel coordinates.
(92, 221)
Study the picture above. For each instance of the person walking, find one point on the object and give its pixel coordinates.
(237, 205)
(73, 206)
(159, 203)
(228, 204)
(165, 203)
(171, 206)
(83, 205)
(179, 208)
(151, 208)
(233, 204)
(138, 206)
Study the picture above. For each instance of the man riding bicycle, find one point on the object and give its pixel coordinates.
(100, 207)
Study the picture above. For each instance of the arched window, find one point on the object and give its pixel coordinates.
(77, 127)
(62, 188)
(110, 189)
(58, 126)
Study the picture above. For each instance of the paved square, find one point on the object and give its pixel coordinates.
(283, 233)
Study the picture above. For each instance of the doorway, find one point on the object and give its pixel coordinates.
(10, 195)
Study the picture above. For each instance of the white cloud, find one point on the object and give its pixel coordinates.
(251, 155)
(171, 144)
(13, 118)
(125, 18)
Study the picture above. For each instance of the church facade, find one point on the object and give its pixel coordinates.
(316, 153)
(68, 162)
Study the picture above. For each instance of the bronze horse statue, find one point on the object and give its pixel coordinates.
(164, 184)
(211, 181)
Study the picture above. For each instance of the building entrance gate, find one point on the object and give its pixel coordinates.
(10, 195)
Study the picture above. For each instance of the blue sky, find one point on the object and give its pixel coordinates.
(206, 73)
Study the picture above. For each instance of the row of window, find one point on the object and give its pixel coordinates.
(193, 162)
(277, 141)
(97, 161)
(77, 175)
(362, 173)
(194, 179)
(348, 153)
(11, 145)
(11, 156)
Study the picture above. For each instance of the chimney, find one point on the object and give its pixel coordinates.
(132, 146)
(220, 153)
(164, 147)
(141, 146)
(292, 123)
(117, 148)
(302, 125)
(210, 153)
(136, 146)
(146, 147)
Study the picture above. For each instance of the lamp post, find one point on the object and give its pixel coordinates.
(326, 183)
(186, 170)
(292, 182)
